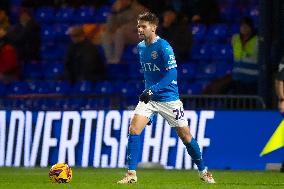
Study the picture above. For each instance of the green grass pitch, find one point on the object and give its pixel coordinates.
(91, 178)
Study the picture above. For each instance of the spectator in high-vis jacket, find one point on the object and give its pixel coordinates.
(245, 50)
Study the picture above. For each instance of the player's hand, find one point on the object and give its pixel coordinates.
(146, 96)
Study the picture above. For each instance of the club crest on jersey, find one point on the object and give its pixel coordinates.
(154, 55)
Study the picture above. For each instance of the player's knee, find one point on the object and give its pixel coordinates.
(134, 130)
(185, 137)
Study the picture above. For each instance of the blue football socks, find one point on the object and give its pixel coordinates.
(194, 151)
(133, 151)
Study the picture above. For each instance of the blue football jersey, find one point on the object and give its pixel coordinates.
(156, 59)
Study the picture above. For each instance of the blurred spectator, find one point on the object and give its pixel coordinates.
(26, 37)
(204, 11)
(177, 33)
(9, 68)
(279, 85)
(5, 5)
(4, 20)
(83, 61)
(245, 49)
(121, 28)
(279, 88)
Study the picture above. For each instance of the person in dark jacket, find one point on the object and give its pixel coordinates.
(82, 61)
(9, 68)
(25, 36)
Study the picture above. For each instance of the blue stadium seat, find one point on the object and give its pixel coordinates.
(53, 71)
(64, 15)
(217, 33)
(234, 29)
(223, 68)
(38, 87)
(117, 71)
(91, 104)
(137, 85)
(47, 33)
(52, 51)
(188, 88)
(206, 71)
(201, 52)
(230, 14)
(3, 88)
(83, 87)
(253, 12)
(101, 14)
(60, 87)
(135, 70)
(18, 88)
(104, 87)
(32, 70)
(222, 52)
(60, 32)
(84, 15)
(45, 15)
(187, 70)
(130, 54)
(198, 33)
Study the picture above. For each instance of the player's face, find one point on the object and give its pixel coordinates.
(146, 30)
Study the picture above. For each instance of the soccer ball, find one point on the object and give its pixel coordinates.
(60, 173)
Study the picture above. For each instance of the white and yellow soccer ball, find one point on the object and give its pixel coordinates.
(60, 173)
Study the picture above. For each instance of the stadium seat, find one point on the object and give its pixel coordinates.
(198, 33)
(201, 52)
(223, 68)
(47, 33)
(45, 15)
(18, 88)
(206, 71)
(91, 104)
(53, 71)
(104, 87)
(3, 88)
(135, 70)
(60, 87)
(187, 71)
(100, 15)
(32, 70)
(234, 29)
(222, 52)
(217, 33)
(230, 14)
(64, 15)
(117, 71)
(38, 87)
(107, 93)
(130, 54)
(83, 87)
(187, 88)
(60, 32)
(84, 15)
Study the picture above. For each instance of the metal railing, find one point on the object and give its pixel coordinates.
(223, 102)
(83, 102)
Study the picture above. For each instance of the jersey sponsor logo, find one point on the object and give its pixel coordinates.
(154, 55)
(150, 67)
(172, 59)
(174, 82)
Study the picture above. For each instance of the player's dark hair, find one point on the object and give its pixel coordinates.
(149, 17)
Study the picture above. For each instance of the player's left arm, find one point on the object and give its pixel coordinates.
(170, 66)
